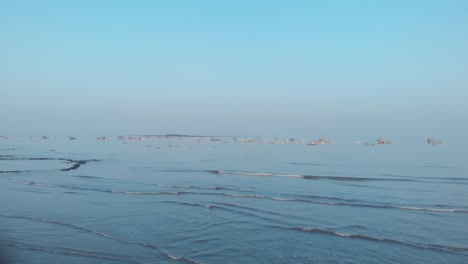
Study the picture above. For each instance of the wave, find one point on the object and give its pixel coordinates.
(55, 185)
(432, 209)
(355, 226)
(191, 187)
(88, 177)
(159, 249)
(332, 198)
(34, 183)
(275, 216)
(70, 252)
(174, 169)
(142, 193)
(433, 247)
(184, 259)
(314, 199)
(427, 177)
(241, 211)
(283, 199)
(234, 208)
(190, 204)
(215, 188)
(398, 178)
(432, 166)
(286, 199)
(80, 228)
(15, 171)
(242, 173)
(455, 179)
(307, 177)
(429, 209)
(95, 189)
(307, 164)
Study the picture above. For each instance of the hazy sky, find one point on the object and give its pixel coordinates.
(253, 68)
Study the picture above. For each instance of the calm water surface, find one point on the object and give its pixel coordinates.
(181, 201)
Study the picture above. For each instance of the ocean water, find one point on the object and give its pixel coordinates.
(186, 200)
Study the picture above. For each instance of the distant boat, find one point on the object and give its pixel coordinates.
(385, 141)
(321, 141)
(435, 142)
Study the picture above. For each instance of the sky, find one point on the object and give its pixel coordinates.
(309, 69)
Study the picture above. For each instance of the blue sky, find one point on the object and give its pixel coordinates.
(254, 68)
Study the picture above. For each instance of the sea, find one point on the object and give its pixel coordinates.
(174, 199)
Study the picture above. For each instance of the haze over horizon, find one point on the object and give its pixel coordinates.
(252, 68)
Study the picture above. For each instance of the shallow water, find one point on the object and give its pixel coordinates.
(182, 201)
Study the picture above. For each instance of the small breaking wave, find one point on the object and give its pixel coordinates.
(184, 259)
(191, 187)
(174, 170)
(449, 210)
(34, 183)
(433, 247)
(55, 185)
(243, 173)
(190, 204)
(88, 177)
(142, 193)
